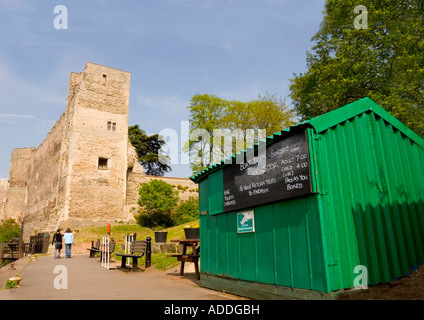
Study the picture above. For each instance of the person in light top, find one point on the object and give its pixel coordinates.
(69, 241)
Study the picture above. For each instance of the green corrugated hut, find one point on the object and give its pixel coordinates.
(342, 190)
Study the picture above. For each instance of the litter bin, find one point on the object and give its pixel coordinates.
(161, 236)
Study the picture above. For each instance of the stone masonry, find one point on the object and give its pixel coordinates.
(85, 172)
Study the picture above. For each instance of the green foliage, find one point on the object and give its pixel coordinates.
(209, 113)
(187, 211)
(10, 284)
(157, 200)
(269, 112)
(384, 61)
(148, 151)
(9, 229)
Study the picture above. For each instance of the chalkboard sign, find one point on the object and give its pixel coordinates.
(281, 171)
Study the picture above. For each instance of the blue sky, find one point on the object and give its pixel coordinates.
(235, 49)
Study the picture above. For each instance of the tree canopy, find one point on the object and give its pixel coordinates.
(148, 150)
(383, 60)
(9, 229)
(213, 119)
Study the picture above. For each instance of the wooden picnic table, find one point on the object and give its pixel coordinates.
(191, 257)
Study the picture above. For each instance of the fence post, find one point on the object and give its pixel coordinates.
(128, 239)
(148, 252)
(105, 247)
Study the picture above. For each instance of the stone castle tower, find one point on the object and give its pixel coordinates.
(80, 169)
(94, 148)
(85, 172)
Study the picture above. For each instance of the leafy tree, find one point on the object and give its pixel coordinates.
(206, 113)
(148, 151)
(210, 114)
(383, 61)
(8, 230)
(187, 211)
(157, 200)
(269, 113)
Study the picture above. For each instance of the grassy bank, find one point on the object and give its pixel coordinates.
(118, 232)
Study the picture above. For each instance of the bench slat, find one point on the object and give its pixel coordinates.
(137, 249)
(128, 255)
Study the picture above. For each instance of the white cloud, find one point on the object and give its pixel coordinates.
(7, 117)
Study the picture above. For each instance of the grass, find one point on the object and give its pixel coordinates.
(10, 284)
(159, 261)
(118, 232)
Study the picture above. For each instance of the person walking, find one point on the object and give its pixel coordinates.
(69, 240)
(57, 242)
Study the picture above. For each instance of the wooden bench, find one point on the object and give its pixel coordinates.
(94, 248)
(137, 250)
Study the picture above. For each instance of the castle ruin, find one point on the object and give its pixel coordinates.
(85, 172)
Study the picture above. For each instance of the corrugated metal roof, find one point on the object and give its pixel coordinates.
(324, 122)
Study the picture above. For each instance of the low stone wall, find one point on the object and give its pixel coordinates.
(166, 247)
(185, 187)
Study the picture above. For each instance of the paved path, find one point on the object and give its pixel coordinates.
(88, 280)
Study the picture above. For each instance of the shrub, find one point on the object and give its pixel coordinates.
(9, 229)
(157, 201)
(10, 284)
(187, 211)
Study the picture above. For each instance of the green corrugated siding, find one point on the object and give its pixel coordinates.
(369, 177)
(216, 192)
(285, 248)
(204, 196)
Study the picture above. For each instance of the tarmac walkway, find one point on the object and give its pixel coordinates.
(84, 278)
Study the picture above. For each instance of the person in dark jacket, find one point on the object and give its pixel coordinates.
(57, 241)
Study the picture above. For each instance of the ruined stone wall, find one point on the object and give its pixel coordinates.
(4, 187)
(42, 185)
(20, 171)
(105, 89)
(97, 190)
(98, 136)
(185, 187)
(135, 176)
